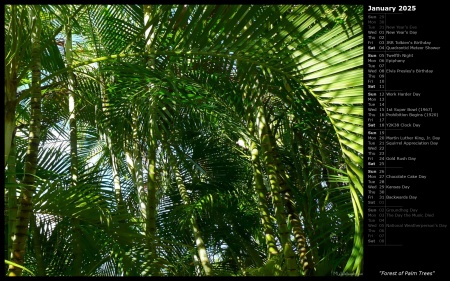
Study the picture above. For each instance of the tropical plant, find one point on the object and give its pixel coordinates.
(183, 140)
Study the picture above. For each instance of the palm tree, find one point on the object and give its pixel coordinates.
(162, 95)
(25, 204)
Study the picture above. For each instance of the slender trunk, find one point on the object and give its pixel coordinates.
(306, 261)
(149, 35)
(10, 120)
(106, 134)
(150, 229)
(277, 200)
(151, 212)
(197, 264)
(201, 248)
(302, 185)
(116, 179)
(258, 180)
(134, 163)
(37, 247)
(11, 84)
(72, 110)
(261, 191)
(12, 197)
(121, 208)
(26, 196)
(297, 230)
(311, 230)
(122, 213)
(326, 160)
(77, 251)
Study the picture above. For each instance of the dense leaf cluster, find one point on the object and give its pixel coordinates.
(183, 140)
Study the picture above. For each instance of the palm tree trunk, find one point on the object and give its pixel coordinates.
(258, 180)
(106, 134)
(201, 248)
(301, 148)
(134, 163)
(149, 36)
(10, 119)
(151, 208)
(77, 251)
(306, 261)
(150, 229)
(197, 264)
(37, 247)
(105, 131)
(277, 200)
(325, 159)
(26, 196)
(11, 83)
(72, 109)
(116, 178)
(12, 196)
(261, 191)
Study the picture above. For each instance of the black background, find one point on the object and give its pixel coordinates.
(416, 249)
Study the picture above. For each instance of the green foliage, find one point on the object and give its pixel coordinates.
(272, 267)
(188, 81)
(18, 265)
